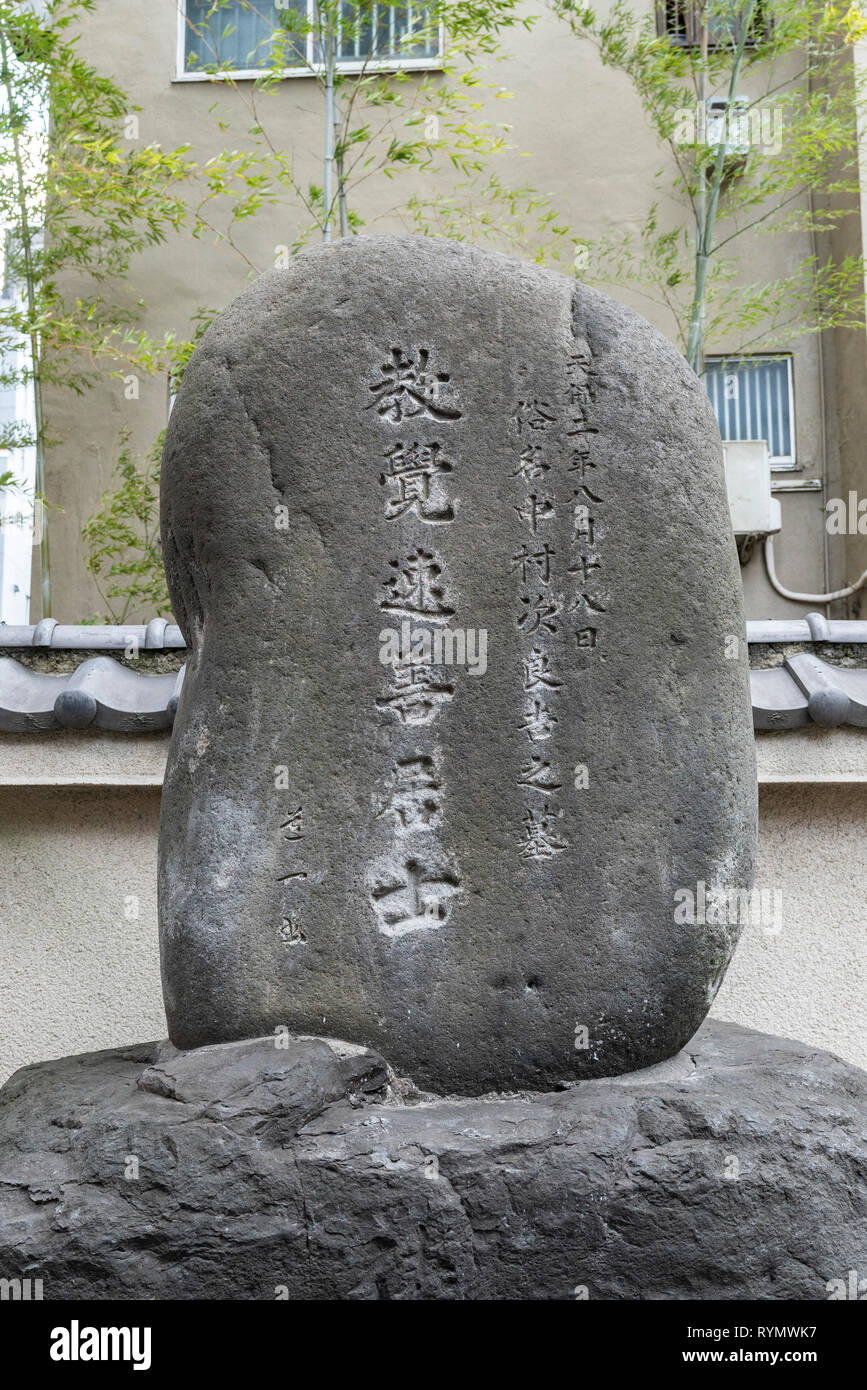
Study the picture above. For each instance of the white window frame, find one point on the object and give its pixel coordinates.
(780, 463)
(433, 63)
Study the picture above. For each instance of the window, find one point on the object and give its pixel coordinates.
(245, 36)
(753, 398)
(681, 21)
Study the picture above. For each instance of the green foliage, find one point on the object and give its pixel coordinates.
(121, 540)
(122, 545)
(81, 202)
(77, 206)
(102, 199)
(16, 434)
(796, 171)
(514, 219)
(387, 122)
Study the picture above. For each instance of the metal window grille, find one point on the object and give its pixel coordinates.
(753, 398)
(680, 21)
(240, 36)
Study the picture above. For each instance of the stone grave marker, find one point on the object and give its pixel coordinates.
(466, 717)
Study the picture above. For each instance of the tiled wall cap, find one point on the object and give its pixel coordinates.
(106, 695)
(157, 635)
(820, 630)
(806, 689)
(813, 628)
(99, 693)
(43, 633)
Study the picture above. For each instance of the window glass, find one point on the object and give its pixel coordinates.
(240, 35)
(752, 399)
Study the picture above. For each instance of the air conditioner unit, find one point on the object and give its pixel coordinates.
(754, 511)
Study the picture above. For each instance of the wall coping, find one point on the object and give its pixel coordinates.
(803, 672)
(96, 758)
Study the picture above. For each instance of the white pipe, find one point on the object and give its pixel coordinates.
(805, 598)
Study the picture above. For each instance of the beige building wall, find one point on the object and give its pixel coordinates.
(79, 959)
(590, 150)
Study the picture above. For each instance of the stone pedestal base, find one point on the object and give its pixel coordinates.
(252, 1170)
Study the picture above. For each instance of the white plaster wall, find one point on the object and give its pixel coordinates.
(77, 973)
(810, 980)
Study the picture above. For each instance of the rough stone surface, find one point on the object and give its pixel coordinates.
(458, 868)
(734, 1170)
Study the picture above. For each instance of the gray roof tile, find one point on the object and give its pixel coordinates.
(778, 703)
(103, 694)
(100, 693)
(806, 689)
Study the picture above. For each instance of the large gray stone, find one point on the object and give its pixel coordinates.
(735, 1170)
(475, 873)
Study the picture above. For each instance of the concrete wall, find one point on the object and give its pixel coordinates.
(590, 150)
(79, 961)
(810, 980)
(76, 972)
